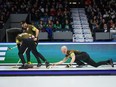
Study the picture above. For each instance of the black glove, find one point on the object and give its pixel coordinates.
(68, 65)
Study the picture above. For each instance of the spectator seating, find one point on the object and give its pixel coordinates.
(80, 25)
(78, 38)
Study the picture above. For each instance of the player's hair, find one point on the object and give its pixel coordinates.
(64, 47)
(22, 22)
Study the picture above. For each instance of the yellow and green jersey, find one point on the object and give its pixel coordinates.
(22, 36)
(70, 53)
(30, 29)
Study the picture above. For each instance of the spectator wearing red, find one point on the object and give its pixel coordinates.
(88, 2)
(111, 24)
(52, 11)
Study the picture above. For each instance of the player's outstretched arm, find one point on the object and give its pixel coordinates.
(72, 60)
(60, 62)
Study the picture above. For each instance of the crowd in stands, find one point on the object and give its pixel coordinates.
(4, 13)
(51, 15)
(101, 15)
(54, 15)
(46, 15)
(41, 10)
(8, 7)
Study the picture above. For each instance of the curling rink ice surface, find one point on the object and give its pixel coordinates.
(60, 67)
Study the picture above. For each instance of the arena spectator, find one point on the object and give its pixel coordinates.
(67, 25)
(102, 22)
(57, 26)
(111, 25)
(52, 11)
(59, 17)
(59, 4)
(45, 17)
(94, 22)
(49, 29)
(41, 26)
(105, 28)
(66, 16)
(88, 2)
(98, 29)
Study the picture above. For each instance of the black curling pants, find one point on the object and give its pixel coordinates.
(84, 57)
(28, 53)
(30, 44)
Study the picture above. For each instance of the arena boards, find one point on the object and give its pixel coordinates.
(57, 71)
(98, 51)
